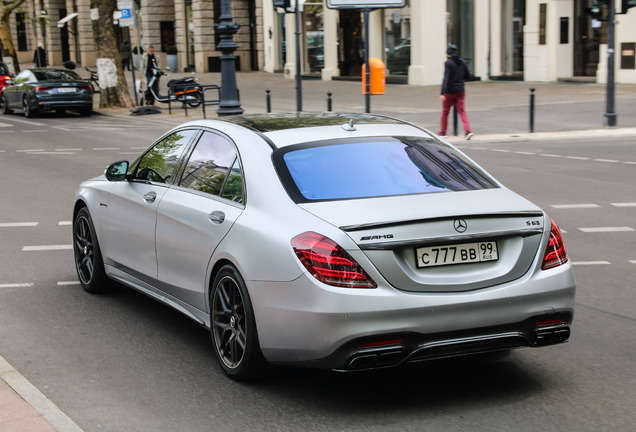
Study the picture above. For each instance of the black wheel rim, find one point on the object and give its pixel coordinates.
(25, 105)
(84, 250)
(228, 322)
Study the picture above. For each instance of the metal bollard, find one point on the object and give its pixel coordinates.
(454, 120)
(531, 109)
(329, 105)
(268, 101)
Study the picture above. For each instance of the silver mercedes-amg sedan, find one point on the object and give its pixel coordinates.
(339, 241)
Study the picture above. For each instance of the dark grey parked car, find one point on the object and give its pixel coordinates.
(38, 90)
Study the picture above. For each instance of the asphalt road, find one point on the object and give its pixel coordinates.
(123, 362)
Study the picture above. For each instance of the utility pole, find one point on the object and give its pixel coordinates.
(610, 115)
(229, 103)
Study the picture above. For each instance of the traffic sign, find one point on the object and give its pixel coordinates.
(362, 4)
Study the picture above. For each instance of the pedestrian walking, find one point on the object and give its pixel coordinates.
(453, 90)
(39, 56)
(150, 61)
(124, 52)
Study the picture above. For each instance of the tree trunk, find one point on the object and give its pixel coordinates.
(6, 41)
(112, 81)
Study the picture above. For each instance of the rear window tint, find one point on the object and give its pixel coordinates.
(56, 75)
(380, 166)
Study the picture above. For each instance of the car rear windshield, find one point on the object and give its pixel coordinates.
(375, 167)
(56, 75)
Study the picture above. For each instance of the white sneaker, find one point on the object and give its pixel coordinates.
(468, 136)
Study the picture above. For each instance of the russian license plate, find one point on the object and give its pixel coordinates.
(66, 89)
(456, 254)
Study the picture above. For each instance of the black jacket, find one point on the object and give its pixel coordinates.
(455, 74)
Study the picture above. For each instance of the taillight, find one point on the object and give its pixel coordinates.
(85, 87)
(42, 88)
(328, 262)
(555, 254)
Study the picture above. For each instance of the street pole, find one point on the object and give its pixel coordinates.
(229, 103)
(610, 115)
(299, 90)
(367, 67)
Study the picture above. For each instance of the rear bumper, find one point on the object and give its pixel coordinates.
(47, 105)
(305, 323)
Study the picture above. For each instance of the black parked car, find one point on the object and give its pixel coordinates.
(37, 90)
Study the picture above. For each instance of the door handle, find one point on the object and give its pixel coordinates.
(216, 217)
(150, 197)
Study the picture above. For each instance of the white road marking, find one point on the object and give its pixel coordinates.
(585, 263)
(501, 150)
(6, 125)
(64, 223)
(50, 153)
(551, 155)
(34, 130)
(606, 160)
(18, 224)
(30, 122)
(577, 158)
(68, 150)
(106, 148)
(525, 153)
(16, 285)
(64, 283)
(627, 204)
(574, 206)
(46, 248)
(632, 261)
(607, 229)
(30, 150)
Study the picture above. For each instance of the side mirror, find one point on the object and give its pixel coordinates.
(117, 171)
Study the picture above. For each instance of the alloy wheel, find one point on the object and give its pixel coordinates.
(84, 250)
(229, 327)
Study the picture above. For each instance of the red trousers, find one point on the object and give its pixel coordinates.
(458, 99)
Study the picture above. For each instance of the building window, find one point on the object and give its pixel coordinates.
(543, 12)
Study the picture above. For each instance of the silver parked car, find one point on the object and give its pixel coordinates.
(346, 242)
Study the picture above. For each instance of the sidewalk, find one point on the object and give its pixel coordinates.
(498, 111)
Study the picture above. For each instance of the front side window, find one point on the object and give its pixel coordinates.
(158, 164)
(214, 168)
(375, 167)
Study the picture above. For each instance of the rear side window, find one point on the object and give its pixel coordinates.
(56, 75)
(380, 166)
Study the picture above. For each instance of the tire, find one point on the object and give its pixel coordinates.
(5, 105)
(233, 327)
(87, 255)
(194, 103)
(28, 111)
(86, 112)
(60, 111)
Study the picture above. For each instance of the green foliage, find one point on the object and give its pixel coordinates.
(137, 50)
(171, 49)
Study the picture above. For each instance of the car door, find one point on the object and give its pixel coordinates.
(132, 211)
(194, 216)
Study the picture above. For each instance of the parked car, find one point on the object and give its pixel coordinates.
(337, 241)
(37, 90)
(5, 75)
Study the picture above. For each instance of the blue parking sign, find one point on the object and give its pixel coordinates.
(125, 13)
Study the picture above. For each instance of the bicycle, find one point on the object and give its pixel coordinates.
(94, 80)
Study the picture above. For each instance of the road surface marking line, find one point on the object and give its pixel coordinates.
(64, 223)
(574, 206)
(29, 122)
(525, 153)
(65, 150)
(583, 263)
(106, 148)
(607, 229)
(632, 261)
(30, 150)
(550, 155)
(34, 130)
(577, 158)
(51, 153)
(630, 163)
(606, 160)
(34, 397)
(18, 224)
(627, 204)
(46, 248)
(17, 285)
(64, 283)
(6, 125)
(501, 150)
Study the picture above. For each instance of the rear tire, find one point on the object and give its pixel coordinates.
(86, 112)
(60, 111)
(233, 327)
(194, 102)
(5, 105)
(88, 257)
(28, 111)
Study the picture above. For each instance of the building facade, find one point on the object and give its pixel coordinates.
(531, 40)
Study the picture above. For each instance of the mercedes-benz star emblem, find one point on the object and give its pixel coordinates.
(460, 225)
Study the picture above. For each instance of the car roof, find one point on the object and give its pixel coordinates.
(264, 123)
